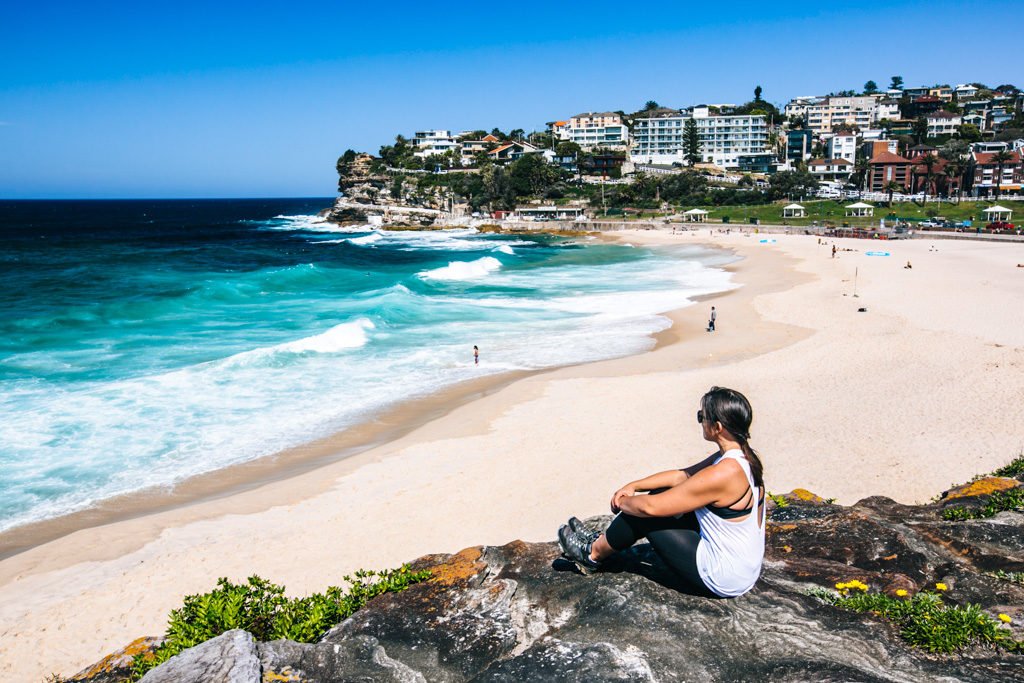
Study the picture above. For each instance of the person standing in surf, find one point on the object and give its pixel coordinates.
(476, 355)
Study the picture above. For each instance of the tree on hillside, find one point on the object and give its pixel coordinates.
(929, 162)
(1001, 158)
(567, 148)
(496, 132)
(530, 175)
(651, 105)
(897, 83)
(870, 87)
(791, 184)
(691, 142)
(968, 132)
(757, 93)
(517, 134)
(920, 130)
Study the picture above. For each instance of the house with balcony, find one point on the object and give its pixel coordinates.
(590, 130)
(430, 142)
(471, 148)
(799, 144)
(984, 174)
(886, 167)
(842, 145)
(827, 114)
(511, 151)
(943, 123)
(965, 91)
(830, 169)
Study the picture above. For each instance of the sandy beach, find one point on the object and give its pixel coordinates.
(918, 392)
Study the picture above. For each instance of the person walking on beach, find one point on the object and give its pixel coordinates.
(476, 355)
(705, 521)
(833, 251)
(712, 319)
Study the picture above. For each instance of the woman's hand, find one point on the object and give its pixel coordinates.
(625, 492)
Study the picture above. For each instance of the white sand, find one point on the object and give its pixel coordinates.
(920, 392)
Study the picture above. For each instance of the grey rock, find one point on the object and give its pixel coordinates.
(229, 658)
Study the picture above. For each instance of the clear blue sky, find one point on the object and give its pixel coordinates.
(225, 99)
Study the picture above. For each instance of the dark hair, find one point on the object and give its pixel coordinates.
(733, 410)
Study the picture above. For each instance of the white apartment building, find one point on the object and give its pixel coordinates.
(594, 129)
(842, 145)
(723, 139)
(823, 114)
(429, 142)
(943, 123)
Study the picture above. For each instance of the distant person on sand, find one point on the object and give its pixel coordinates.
(476, 355)
(833, 251)
(705, 521)
(712, 319)
(908, 266)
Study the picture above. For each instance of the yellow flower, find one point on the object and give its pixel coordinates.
(840, 586)
(901, 593)
(940, 586)
(1005, 618)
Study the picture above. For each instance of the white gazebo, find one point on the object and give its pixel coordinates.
(860, 209)
(695, 216)
(998, 213)
(794, 211)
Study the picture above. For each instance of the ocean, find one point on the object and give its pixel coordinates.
(144, 342)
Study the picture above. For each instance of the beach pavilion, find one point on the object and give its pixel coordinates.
(794, 211)
(997, 213)
(860, 209)
(695, 216)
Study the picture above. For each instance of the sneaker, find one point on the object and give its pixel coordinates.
(576, 548)
(581, 529)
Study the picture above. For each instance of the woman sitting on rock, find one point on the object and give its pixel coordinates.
(706, 521)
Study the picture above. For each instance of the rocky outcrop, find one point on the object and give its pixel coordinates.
(367, 197)
(518, 612)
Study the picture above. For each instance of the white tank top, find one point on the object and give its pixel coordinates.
(730, 553)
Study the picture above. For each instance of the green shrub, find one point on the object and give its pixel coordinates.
(779, 500)
(261, 608)
(926, 622)
(998, 502)
(1014, 469)
(1013, 577)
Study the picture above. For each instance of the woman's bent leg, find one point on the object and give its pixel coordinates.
(674, 539)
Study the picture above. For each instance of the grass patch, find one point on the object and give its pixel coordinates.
(925, 621)
(1014, 469)
(997, 502)
(261, 608)
(779, 500)
(1013, 577)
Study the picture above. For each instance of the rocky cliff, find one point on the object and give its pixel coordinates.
(370, 195)
(520, 613)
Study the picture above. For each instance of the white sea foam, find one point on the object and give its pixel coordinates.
(365, 239)
(464, 270)
(343, 337)
(505, 249)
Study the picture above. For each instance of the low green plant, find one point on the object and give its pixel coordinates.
(1014, 469)
(999, 501)
(261, 608)
(779, 500)
(926, 622)
(1014, 577)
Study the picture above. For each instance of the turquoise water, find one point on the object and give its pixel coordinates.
(145, 342)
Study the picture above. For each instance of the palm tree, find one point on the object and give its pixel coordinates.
(891, 187)
(929, 161)
(1001, 158)
(954, 171)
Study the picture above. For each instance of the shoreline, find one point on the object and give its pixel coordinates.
(917, 393)
(378, 430)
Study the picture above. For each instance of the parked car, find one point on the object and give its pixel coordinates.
(999, 226)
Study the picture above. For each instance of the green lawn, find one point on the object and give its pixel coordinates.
(834, 211)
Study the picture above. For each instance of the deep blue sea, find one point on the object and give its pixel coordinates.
(142, 342)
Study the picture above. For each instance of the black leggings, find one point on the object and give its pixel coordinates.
(674, 539)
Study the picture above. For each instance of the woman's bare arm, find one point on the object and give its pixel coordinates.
(702, 488)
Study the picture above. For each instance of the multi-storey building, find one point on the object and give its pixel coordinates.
(594, 129)
(799, 144)
(824, 114)
(842, 145)
(429, 142)
(659, 138)
(984, 174)
(943, 123)
(885, 168)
